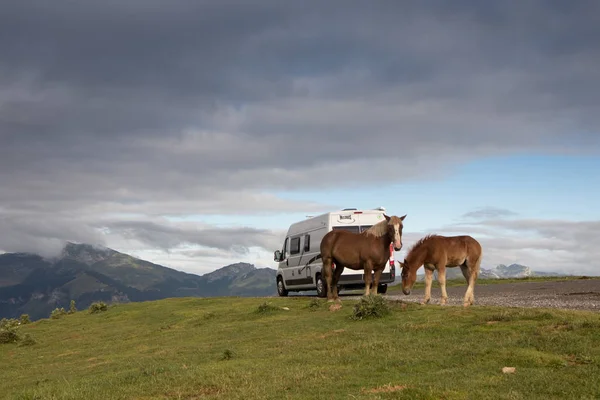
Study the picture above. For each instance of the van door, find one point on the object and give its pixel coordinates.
(308, 256)
(290, 260)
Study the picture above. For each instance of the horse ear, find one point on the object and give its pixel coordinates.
(387, 218)
(402, 218)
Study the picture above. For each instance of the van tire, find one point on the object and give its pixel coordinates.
(321, 286)
(281, 290)
(382, 288)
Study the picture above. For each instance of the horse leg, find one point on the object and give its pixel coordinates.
(336, 278)
(470, 271)
(368, 269)
(376, 280)
(428, 281)
(327, 274)
(441, 268)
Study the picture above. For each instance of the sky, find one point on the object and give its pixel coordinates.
(192, 133)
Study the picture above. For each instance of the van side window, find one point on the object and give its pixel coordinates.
(306, 242)
(285, 248)
(295, 245)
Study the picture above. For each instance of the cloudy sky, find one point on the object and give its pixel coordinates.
(192, 133)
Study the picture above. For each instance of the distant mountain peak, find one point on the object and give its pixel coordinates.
(86, 253)
(230, 271)
(513, 270)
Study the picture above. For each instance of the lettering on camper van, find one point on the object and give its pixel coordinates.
(346, 218)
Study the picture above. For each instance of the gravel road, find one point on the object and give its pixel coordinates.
(582, 294)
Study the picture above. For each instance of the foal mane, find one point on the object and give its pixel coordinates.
(419, 243)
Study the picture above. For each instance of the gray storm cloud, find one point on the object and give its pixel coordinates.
(147, 108)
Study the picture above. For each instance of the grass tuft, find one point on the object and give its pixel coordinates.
(227, 355)
(314, 304)
(27, 340)
(266, 308)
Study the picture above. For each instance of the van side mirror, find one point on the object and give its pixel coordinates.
(277, 255)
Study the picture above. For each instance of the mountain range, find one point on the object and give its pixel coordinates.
(30, 284)
(501, 271)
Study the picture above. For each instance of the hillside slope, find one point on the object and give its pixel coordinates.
(84, 273)
(242, 348)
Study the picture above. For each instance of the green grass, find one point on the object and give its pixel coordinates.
(246, 348)
(462, 282)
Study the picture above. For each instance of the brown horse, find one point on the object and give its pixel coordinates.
(437, 252)
(369, 251)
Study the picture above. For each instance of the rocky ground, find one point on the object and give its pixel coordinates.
(582, 294)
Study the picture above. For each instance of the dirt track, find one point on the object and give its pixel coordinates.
(582, 294)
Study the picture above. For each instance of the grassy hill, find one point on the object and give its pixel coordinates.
(296, 348)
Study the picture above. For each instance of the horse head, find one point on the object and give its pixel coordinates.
(409, 277)
(395, 230)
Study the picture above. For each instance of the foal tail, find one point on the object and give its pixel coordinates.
(477, 265)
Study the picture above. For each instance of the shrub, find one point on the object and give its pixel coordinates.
(98, 307)
(8, 335)
(373, 306)
(72, 308)
(57, 313)
(9, 331)
(8, 323)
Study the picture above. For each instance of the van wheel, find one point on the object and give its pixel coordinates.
(281, 290)
(382, 288)
(321, 287)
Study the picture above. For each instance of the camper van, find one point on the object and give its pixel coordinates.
(299, 260)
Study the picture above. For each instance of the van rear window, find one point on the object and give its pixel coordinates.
(354, 229)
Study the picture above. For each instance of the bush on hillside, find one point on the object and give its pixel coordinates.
(9, 331)
(372, 306)
(97, 307)
(57, 313)
(72, 308)
(8, 335)
(9, 323)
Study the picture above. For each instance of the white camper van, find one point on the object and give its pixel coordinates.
(299, 259)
